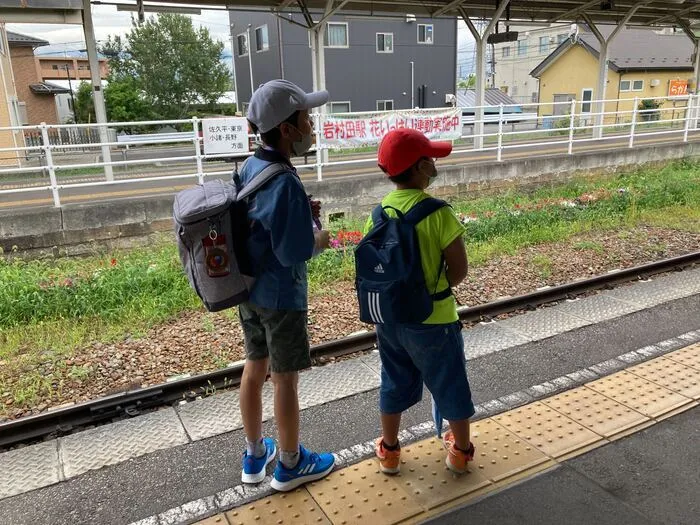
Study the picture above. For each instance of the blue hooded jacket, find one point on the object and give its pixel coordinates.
(281, 235)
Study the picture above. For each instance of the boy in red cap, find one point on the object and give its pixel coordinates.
(432, 351)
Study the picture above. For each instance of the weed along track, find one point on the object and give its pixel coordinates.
(134, 402)
(77, 329)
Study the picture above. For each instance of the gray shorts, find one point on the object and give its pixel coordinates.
(278, 334)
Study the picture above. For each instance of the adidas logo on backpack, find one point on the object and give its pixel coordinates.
(389, 276)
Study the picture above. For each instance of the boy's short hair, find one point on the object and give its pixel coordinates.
(272, 137)
(405, 176)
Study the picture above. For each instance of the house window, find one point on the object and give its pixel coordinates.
(544, 45)
(340, 107)
(336, 34)
(561, 37)
(514, 91)
(262, 40)
(425, 33)
(534, 97)
(385, 105)
(625, 85)
(522, 48)
(385, 42)
(638, 85)
(506, 51)
(586, 97)
(54, 67)
(242, 45)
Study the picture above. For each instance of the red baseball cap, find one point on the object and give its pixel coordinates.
(402, 148)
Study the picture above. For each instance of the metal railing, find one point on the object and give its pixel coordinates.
(48, 163)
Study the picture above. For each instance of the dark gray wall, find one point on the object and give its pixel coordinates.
(358, 73)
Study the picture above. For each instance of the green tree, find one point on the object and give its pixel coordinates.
(469, 83)
(84, 109)
(125, 102)
(172, 65)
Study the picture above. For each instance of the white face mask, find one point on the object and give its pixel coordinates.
(432, 175)
(303, 145)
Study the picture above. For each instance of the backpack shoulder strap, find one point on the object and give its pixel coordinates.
(261, 179)
(424, 208)
(377, 216)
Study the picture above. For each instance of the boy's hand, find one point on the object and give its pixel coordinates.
(323, 240)
(315, 209)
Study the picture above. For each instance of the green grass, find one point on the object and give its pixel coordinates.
(51, 307)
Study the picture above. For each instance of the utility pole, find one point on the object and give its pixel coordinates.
(235, 75)
(72, 98)
(250, 61)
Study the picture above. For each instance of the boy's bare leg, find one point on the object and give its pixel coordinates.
(254, 375)
(460, 429)
(390, 428)
(287, 410)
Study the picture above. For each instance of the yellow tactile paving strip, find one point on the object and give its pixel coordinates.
(510, 446)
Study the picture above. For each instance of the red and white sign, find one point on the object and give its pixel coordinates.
(368, 129)
(677, 88)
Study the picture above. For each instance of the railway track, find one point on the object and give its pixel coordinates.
(65, 420)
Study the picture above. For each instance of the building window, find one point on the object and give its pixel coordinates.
(534, 97)
(561, 37)
(638, 85)
(506, 51)
(385, 42)
(425, 33)
(336, 34)
(242, 44)
(385, 105)
(262, 40)
(522, 48)
(340, 107)
(544, 45)
(23, 118)
(586, 97)
(514, 91)
(625, 85)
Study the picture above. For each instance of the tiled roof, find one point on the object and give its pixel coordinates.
(19, 39)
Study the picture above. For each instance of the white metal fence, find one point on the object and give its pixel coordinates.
(50, 164)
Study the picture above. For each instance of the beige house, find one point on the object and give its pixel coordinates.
(9, 107)
(643, 64)
(40, 99)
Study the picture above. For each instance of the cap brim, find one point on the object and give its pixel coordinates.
(316, 99)
(439, 149)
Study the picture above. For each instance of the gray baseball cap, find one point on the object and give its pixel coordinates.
(277, 100)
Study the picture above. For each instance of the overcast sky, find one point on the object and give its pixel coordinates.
(109, 21)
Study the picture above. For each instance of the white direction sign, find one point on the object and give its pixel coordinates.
(225, 135)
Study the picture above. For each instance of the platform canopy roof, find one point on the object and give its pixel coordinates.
(654, 13)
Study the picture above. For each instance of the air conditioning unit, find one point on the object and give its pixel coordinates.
(655, 82)
(410, 19)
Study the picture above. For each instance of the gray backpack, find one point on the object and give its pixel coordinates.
(211, 227)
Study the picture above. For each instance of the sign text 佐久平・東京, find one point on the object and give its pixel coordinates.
(368, 129)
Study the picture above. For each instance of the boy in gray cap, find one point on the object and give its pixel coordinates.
(282, 238)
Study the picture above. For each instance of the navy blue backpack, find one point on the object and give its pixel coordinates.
(389, 278)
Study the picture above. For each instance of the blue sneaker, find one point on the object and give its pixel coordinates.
(254, 468)
(311, 467)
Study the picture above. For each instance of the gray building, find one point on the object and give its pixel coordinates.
(368, 59)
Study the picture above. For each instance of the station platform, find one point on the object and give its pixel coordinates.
(632, 350)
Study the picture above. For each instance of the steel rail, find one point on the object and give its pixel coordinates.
(131, 403)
